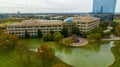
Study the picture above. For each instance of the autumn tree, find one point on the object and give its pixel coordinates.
(8, 40)
(59, 65)
(22, 49)
(46, 54)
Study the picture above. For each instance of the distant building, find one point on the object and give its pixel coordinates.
(42, 16)
(104, 9)
(84, 23)
(3, 16)
(56, 17)
(104, 6)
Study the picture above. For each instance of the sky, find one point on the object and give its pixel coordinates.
(48, 6)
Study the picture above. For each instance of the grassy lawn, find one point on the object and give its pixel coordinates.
(118, 21)
(5, 22)
(8, 57)
(116, 52)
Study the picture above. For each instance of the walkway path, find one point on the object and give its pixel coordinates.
(111, 38)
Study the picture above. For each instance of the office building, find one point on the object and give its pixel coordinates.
(104, 6)
(84, 23)
(104, 9)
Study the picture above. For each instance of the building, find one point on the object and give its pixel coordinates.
(104, 9)
(84, 23)
(56, 17)
(104, 6)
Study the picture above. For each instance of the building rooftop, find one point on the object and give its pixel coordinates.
(68, 20)
(38, 22)
(85, 19)
(56, 22)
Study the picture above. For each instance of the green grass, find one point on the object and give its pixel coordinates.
(8, 57)
(116, 52)
(4, 22)
(118, 21)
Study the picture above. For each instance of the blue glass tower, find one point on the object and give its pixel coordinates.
(104, 6)
(104, 9)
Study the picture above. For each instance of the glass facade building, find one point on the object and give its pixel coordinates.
(104, 9)
(104, 6)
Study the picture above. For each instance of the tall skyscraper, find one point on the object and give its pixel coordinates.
(104, 6)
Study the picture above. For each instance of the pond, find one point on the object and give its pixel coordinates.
(93, 56)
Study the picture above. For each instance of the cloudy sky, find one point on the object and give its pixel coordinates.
(43, 6)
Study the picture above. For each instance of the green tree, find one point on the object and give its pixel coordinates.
(97, 30)
(22, 49)
(104, 25)
(51, 32)
(117, 30)
(48, 37)
(57, 36)
(106, 34)
(76, 31)
(94, 37)
(68, 41)
(27, 34)
(64, 32)
(40, 34)
(84, 34)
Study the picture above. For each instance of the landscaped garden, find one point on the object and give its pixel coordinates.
(49, 51)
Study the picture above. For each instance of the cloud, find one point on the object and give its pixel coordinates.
(12, 6)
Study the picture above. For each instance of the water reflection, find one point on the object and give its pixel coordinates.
(93, 55)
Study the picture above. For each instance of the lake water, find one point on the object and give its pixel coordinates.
(93, 56)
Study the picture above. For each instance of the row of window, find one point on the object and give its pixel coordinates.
(32, 26)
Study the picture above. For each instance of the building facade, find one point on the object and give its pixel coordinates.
(104, 6)
(104, 9)
(84, 24)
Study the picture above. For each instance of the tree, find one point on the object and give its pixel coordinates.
(84, 34)
(106, 34)
(51, 32)
(68, 41)
(64, 32)
(48, 37)
(7, 40)
(57, 36)
(76, 31)
(117, 30)
(94, 37)
(40, 34)
(97, 30)
(104, 25)
(59, 65)
(46, 54)
(27, 34)
(22, 49)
